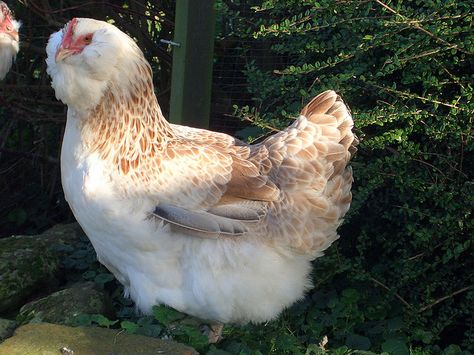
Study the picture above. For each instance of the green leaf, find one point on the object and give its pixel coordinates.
(83, 320)
(358, 342)
(193, 336)
(214, 351)
(452, 349)
(394, 324)
(151, 330)
(350, 295)
(89, 275)
(166, 315)
(343, 350)
(129, 326)
(102, 321)
(395, 347)
(103, 278)
(423, 335)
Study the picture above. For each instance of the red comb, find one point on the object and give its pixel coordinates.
(4, 9)
(67, 39)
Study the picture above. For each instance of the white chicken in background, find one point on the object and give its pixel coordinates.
(194, 219)
(9, 39)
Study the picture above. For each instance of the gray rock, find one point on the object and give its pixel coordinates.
(62, 307)
(62, 234)
(29, 262)
(6, 328)
(25, 265)
(44, 338)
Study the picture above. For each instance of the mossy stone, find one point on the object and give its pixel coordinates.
(63, 235)
(46, 339)
(62, 307)
(29, 262)
(25, 265)
(6, 328)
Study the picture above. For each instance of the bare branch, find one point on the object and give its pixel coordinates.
(439, 300)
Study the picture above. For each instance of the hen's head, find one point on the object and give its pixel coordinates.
(8, 39)
(86, 58)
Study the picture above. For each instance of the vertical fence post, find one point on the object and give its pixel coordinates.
(191, 75)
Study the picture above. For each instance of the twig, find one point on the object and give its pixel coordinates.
(390, 290)
(427, 53)
(414, 24)
(419, 255)
(432, 19)
(430, 165)
(452, 76)
(255, 122)
(342, 59)
(441, 40)
(414, 96)
(439, 300)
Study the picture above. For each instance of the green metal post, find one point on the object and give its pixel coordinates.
(191, 75)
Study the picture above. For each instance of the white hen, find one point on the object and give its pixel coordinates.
(9, 39)
(191, 218)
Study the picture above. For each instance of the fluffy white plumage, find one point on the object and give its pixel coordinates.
(194, 219)
(9, 39)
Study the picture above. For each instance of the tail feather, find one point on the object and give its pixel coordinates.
(322, 103)
(309, 165)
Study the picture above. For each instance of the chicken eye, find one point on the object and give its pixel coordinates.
(88, 39)
(9, 28)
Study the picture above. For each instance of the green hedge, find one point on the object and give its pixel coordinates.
(402, 272)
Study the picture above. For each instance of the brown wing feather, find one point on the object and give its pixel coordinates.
(291, 190)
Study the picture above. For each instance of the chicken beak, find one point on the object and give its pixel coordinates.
(62, 53)
(14, 35)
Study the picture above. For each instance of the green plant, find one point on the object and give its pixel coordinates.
(405, 68)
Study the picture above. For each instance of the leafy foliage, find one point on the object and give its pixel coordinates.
(405, 67)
